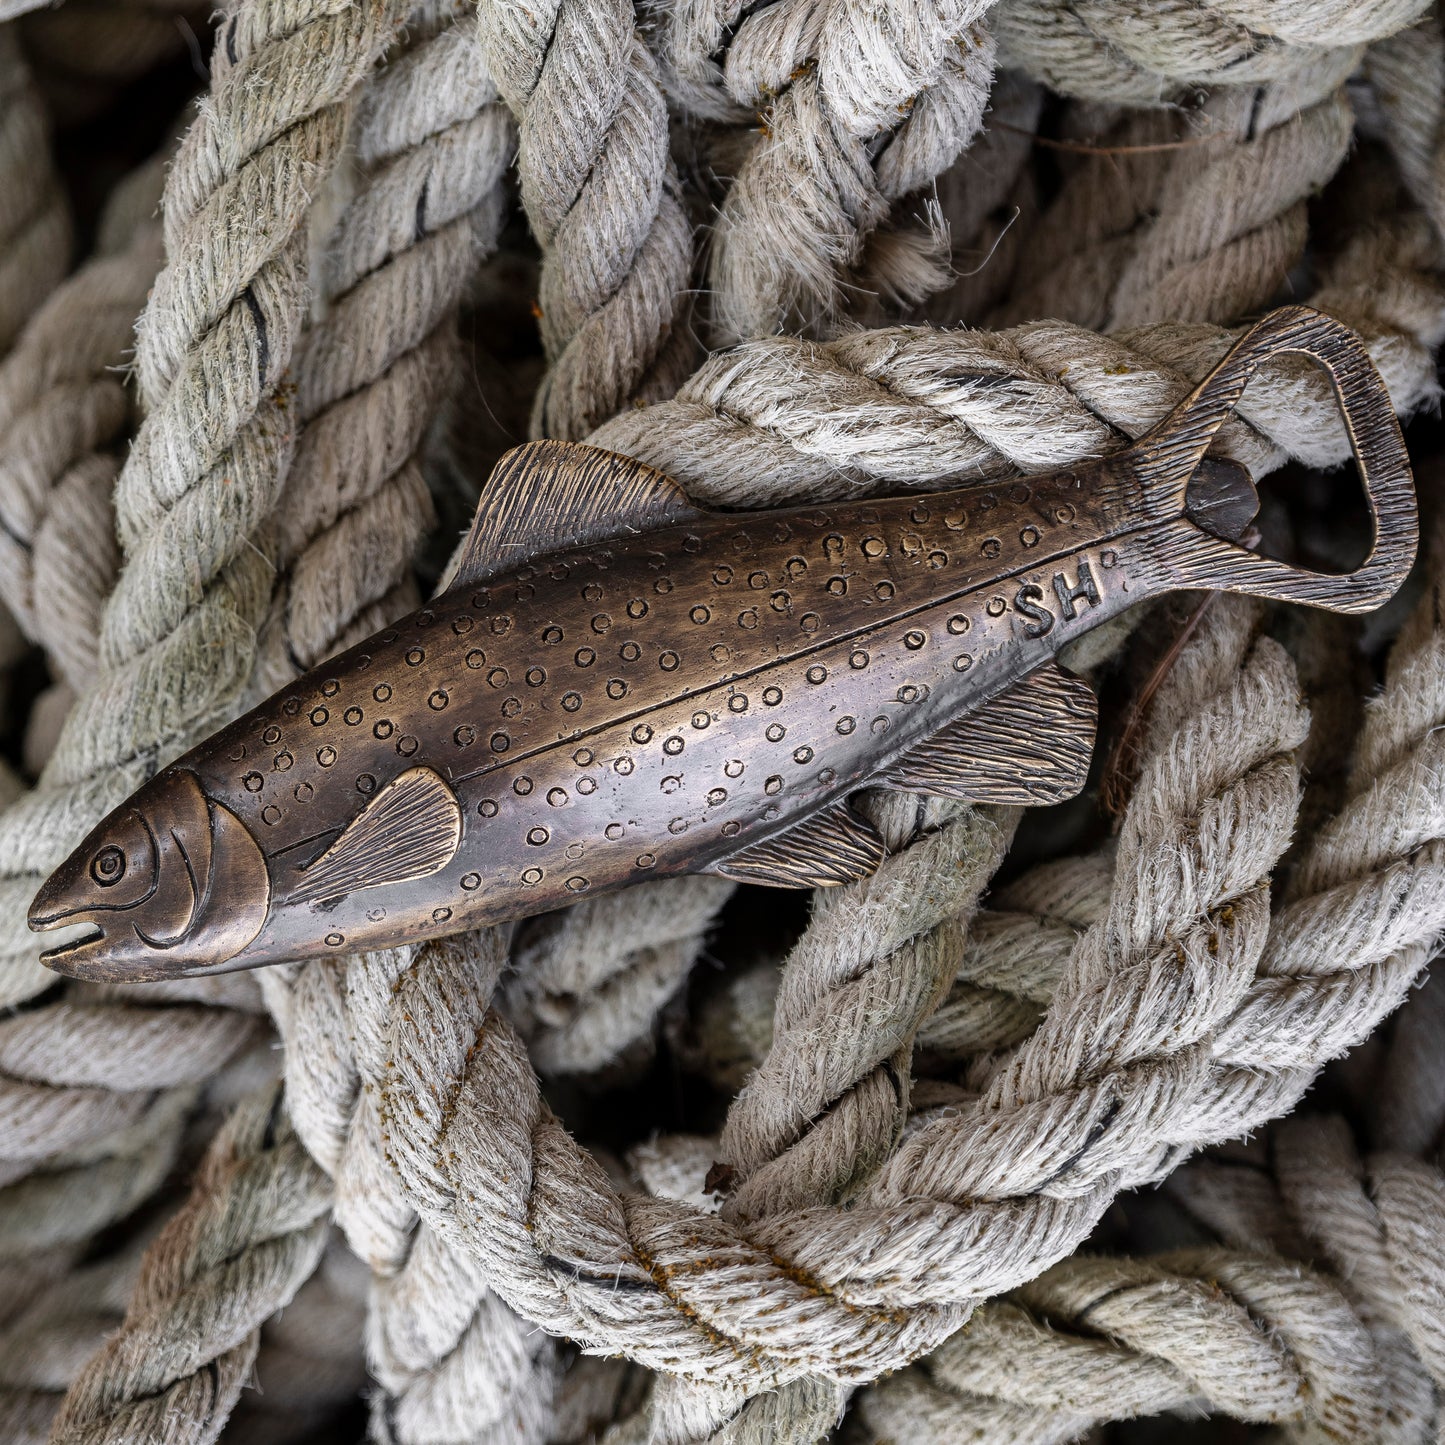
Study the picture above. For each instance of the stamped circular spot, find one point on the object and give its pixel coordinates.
(722, 575)
(498, 677)
(731, 828)
(437, 701)
(487, 808)
(557, 797)
(773, 785)
(757, 580)
(701, 719)
(616, 688)
(511, 706)
(326, 756)
(476, 658)
(601, 622)
(733, 768)
(911, 692)
(465, 735)
(883, 591)
(879, 724)
(662, 586)
(303, 792)
(406, 745)
(748, 618)
(461, 625)
(817, 673)
(1064, 513)
(958, 624)
(352, 716)
(282, 761)
(383, 729)
(415, 657)
(669, 661)
(623, 766)
(571, 701)
(846, 724)
(837, 586)
(810, 622)
(991, 547)
(535, 676)
(381, 692)
(937, 560)
(471, 881)
(551, 636)
(677, 825)
(614, 831)
(636, 609)
(996, 607)
(776, 732)
(440, 915)
(500, 623)
(716, 797)
(330, 687)
(238, 752)
(642, 733)
(574, 851)
(591, 592)
(270, 815)
(586, 786)
(700, 615)
(962, 662)
(692, 543)
(802, 755)
(585, 657)
(523, 785)
(531, 876)
(671, 783)
(781, 601)
(770, 812)
(537, 836)
(375, 915)
(719, 652)
(629, 652)
(291, 706)
(827, 775)
(425, 617)
(253, 782)
(1029, 536)
(1108, 558)
(858, 659)
(738, 702)
(874, 546)
(365, 783)
(673, 746)
(772, 696)
(335, 940)
(499, 742)
(832, 545)
(271, 735)
(646, 860)
(914, 640)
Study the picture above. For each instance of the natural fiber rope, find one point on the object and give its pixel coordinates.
(602, 197)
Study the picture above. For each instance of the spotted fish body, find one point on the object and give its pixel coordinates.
(619, 686)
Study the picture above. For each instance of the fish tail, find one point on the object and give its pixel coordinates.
(1206, 504)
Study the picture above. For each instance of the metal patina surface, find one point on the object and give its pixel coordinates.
(620, 686)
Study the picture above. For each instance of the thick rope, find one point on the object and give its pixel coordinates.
(602, 197)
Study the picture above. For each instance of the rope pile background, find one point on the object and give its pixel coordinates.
(952, 1154)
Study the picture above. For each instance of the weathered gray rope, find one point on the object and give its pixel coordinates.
(602, 197)
(1097, 1339)
(1136, 53)
(880, 102)
(251, 1233)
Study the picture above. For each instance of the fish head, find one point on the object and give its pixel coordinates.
(171, 884)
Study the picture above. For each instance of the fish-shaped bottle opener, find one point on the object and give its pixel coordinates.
(618, 685)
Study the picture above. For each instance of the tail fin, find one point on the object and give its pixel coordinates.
(1204, 551)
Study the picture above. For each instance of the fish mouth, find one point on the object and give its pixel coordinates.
(75, 957)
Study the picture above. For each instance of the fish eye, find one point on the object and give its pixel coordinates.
(108, 866)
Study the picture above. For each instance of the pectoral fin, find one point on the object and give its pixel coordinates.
(1029, 745)
(833, 846)
(550, 495)
(409, 829)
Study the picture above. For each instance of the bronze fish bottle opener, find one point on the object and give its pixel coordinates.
(619, 686)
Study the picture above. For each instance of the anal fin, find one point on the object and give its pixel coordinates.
(833, 846)
(1030, 745)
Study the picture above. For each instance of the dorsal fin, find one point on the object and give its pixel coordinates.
(409, 829)
(833, 846)
(1029, 745)
(550, 495)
